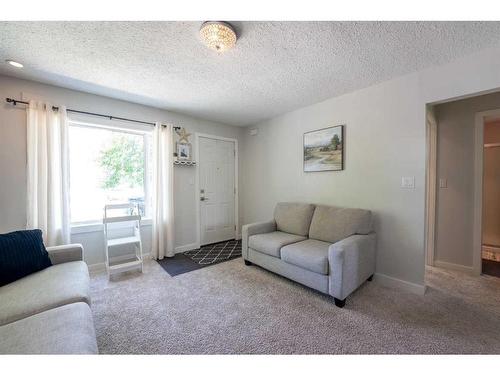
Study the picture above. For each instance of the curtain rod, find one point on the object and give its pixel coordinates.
(15, 102)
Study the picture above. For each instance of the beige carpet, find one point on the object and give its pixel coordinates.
(231, 308)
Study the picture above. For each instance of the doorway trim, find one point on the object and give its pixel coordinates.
(197, 136)
(430, 186)
(477, 235)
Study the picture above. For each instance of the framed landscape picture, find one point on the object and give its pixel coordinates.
(324, 149)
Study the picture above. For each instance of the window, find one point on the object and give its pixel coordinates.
(107, 165)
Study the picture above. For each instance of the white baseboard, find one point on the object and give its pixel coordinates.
(453, 266)
(392, 282)
(99, 267)
(189, 246)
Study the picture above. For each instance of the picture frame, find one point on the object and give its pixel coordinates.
(184, 151)
(324, 149)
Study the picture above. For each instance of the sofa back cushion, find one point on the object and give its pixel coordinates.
(22, 253)
(293, 218)
(332, 224)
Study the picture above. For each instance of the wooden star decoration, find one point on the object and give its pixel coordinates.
(183, 136)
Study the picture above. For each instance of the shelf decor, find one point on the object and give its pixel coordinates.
(183, 148)
(188, 163)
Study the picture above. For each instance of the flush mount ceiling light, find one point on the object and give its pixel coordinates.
(219, 36)
(14, 63)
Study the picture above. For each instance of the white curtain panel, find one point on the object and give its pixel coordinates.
(163, 192)
(48, 172)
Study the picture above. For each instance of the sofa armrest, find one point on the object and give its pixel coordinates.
(65, 253)
(352, 262)
(254, 228)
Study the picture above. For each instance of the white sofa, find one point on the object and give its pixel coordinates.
(326, 248)
(48, 312)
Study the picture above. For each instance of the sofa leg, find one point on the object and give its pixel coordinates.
(370, 278)
(248, 263)
(339, 302)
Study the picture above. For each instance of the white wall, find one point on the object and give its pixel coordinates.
(455, 163)
(385, 140)
(13, 156)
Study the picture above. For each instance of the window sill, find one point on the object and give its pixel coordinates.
(90, 227)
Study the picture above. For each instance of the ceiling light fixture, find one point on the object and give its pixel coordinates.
(15, 63)
(219, 36)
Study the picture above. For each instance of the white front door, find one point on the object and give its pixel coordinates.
(217, 190)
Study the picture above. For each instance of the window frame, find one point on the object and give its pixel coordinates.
(95, 225)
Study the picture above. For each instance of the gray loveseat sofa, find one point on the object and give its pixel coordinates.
(48, 312)
(326, 248)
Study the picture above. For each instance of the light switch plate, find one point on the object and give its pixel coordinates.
(443, 183)
(408, 182)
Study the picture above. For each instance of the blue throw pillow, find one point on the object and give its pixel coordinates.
(22, 253)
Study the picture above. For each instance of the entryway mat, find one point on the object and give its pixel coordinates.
(205, 256)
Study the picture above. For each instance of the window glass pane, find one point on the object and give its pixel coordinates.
(106, 167)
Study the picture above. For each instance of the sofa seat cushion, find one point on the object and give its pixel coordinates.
(332, 224)
(271, 243)
(54, 286)
(294, 218)
(67, 329)
(310, 254)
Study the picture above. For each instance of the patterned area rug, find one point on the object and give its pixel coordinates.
(215, 253)
(205, 256)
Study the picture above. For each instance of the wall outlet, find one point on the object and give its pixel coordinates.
(408, 182)
(443, 183)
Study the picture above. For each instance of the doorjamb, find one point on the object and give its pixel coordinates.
(197, 137)
(431, 186)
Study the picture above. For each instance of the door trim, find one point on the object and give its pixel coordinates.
(197, 136)
(430, 193)
(477, 236)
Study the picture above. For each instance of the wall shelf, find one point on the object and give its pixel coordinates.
(188, 163)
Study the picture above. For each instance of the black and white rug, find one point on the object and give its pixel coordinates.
(205, 256)
(215, 253)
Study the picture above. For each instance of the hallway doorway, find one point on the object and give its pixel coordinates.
(490, 249)
(463, 165)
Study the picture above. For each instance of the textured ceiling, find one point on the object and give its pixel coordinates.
(274, 68)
